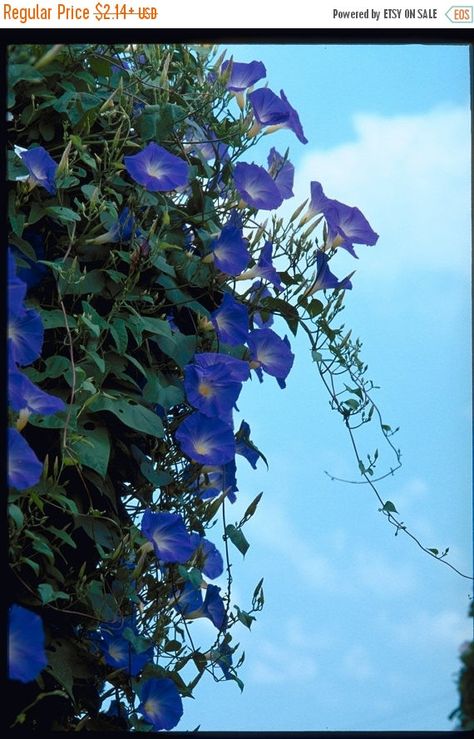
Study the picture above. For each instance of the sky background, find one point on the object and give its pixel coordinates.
(361, 630)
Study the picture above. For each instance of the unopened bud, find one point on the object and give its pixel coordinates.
(298, 211)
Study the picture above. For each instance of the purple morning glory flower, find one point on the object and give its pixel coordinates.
(34, 272)
(206, 440)
(257, 292)
(348, 226)
(223, 657)
(16, 288)
(230, 250)
(41, 167)
(283, 173)
(121, 229)
(231, 321)
(118, 651)
(207, 144)
(156, 169)
(26, 332)
(216, 479)
(25, 395)
(213, 607)
(213, 564)
(26, 653)
(293, 122)
(318, 202)
(213, 383)
(244, 446)
(243, 75)
(268, 108)
(264, 268)
(189, 600)
(167, 532)
(273, 354)
(325, 280)
(24, 467)
(256, 187)
(161, 703)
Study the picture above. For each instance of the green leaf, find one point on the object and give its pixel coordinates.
(48, 594)
(158, 121)
(63, 535)
(101, 532)
(245, 618)
(237, 538)
(23, 73)
(389, 507)
(62, 214)
(131, 413)
(119, 334)
(93, 449)
(160, 390)
(252, 508)
(16, 514)
(156, 477)
(103, 604)
(55, 319)
(179, 347)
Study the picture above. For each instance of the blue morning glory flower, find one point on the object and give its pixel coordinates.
(348, 226)
(257, 292)
(205, 142)
(325, 280)
(222, 656)
(213, 564)
(244, 446)
(41, 167)
(215, 479)
(293, 122)
(213, 607)
(213, 383)
(283, 173)
(243, 75)
(24, 467)
(24, 395)
(189, 599)
(121, 229)
(16, 289)
(169, 536)
(118, 651)
(231, 321)
(26, 332)
(230, 250)
(34, 272)
(206, 440)
(161, 703)
(156, 169)
(271, 353)
(318, 202)
(256, 187)
(264, 268)
(26, 653)
(268, 108)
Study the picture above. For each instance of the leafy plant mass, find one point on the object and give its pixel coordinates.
(145, 288)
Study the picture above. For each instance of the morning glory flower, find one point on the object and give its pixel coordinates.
(161, 703)
(348, 226)
(118, 651)
(271, 353)
(206, 440)
(256, 187)
(258, 291)
(223, 657)
(121, 229)
(244, 446)
(264, 268)
(24, 395)
(26, 653)
(212, 562)
(293, 122)
(26, 332)
(213, 383)
(230, 251)
(16, 289)
(243, 75)
(169, 536)
(156, 169)
(24, 467)
(206, 143)
(325, 280)
(283, 173)
(33, 272)
(317, 204)
(41, 167)
(216, 479)
(231, 321)
(189, 600)
(213, 607)
(267, 107)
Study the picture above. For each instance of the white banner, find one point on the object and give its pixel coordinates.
(156, 14)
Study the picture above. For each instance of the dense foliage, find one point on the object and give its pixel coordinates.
(145, 288)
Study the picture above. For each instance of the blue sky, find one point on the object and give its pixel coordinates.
(360, 629)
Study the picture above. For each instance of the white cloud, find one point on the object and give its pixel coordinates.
(277, 663)
(410, 176)
(447, 628)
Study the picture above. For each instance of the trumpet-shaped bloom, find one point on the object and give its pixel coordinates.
(267, 107)
(244, 446)
(325, 280)
(206, 440)
(169, 536)
(213, 383)
(230, 250)
(16, 289)
(273, 354)
(243, 75)
(348, 226)
(156, 169)
(318, 203)
(33, 272)
(24, 467)
(118, 651)
(216, 479)
(213, 607)
(41, 167)
(24, 395)
(231, 321)
(26, 332)
(121, 229)
(161, 703)
(256, 187)
(264, 268)
(212, 563)
(293, 122)
(26, 653)
(283, 173)
(207, 144)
